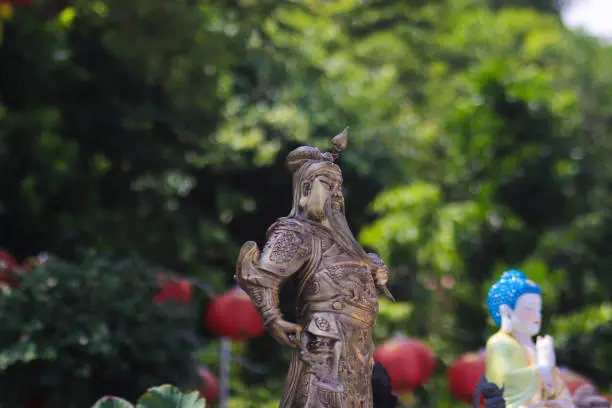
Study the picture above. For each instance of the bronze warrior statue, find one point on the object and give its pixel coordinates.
(337, 287)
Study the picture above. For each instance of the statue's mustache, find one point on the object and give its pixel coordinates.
(321, 205)
(316, 205)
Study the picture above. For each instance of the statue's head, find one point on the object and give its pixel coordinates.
(515, 303)
(317, 180)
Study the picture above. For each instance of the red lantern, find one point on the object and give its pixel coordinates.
(7, 266)
(464, 374)
(409, 363)
(234, 316)
(428, 358)
(209, 388)
(7, 261)
(173, 289)
(572, 380)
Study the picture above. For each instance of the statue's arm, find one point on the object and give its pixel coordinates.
(506, 369)
(261, 274)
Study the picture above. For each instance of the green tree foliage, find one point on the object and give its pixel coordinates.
(513, 182)
(478, 142)
(74, 332)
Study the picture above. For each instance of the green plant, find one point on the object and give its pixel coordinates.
(164, 396)
(72, 333)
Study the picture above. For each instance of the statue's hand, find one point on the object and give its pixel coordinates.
(381, 272)
(545, 350)
(381, 277)
(286, 333)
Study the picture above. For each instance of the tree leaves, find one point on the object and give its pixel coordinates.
(96, 325)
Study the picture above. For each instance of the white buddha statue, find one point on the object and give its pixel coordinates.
(525, 369)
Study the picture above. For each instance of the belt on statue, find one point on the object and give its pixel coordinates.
(363, 315)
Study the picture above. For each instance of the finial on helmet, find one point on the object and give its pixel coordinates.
(339, 143)
(303, 154)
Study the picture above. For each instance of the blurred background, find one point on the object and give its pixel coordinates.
(143, 141)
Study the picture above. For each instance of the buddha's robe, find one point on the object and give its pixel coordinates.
(509, 365)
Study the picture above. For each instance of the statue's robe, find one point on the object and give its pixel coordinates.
(509, 365)
(337, 309)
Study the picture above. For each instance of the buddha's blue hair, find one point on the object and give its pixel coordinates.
(506, 291)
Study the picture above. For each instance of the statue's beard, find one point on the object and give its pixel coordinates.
(321, 207)
(341, 232)
(315, 207)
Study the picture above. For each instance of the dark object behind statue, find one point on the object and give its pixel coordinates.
(493, 395)
(381, 388)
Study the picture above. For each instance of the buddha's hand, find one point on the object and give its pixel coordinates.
(545, 350)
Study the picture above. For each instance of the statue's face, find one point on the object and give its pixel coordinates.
(325, 187)
(331, 184)
(527, 315)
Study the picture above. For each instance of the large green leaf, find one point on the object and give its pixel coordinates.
(164, 396)
(167, 396)
(112, 402)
